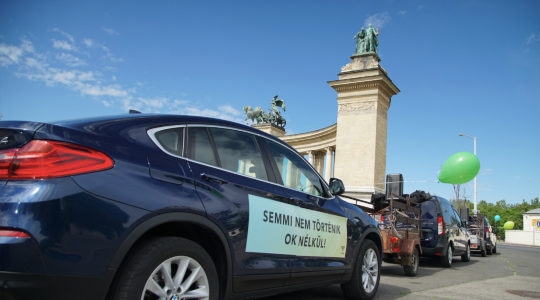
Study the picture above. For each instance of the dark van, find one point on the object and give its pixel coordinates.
(444, 235)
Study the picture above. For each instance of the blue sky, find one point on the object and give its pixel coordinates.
(462, 66)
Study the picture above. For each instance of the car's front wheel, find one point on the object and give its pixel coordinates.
(168, 268)
(366, 273)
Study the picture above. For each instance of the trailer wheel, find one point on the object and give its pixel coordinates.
(415, 260)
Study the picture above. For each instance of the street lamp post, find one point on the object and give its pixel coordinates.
(475, 208)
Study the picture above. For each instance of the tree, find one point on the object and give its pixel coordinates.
(507, 212)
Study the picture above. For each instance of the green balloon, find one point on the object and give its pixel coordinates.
(509, 225)
(459, 168)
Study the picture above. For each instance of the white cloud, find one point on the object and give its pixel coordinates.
(115, 91)
(229, 110)
(531, 39)
(110, 31)
(378, 20)
(154, 103)
(86, 76)
(61, 65)
(63, 77)
(68, 36)
(70, 59)
(10, 54)
(63, 45)
(33, 63)
(88, 42)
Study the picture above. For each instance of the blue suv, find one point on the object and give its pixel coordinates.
(444, 234)
(172, 207)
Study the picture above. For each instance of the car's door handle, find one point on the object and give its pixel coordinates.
(211, 178)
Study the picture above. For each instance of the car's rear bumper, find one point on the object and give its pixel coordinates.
(436, 251)
(14, 286)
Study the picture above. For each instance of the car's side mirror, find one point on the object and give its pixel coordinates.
(336, 186)
(494, 230)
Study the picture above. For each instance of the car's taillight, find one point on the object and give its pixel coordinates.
(42, 159)
(13, 233)
(440, 225)
(487, 232)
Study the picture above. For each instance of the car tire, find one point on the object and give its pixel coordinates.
(494, 250)
(415, 260)
(366, 274)
(160, 265)
(446, 260)
(483, 251)
(467, 255)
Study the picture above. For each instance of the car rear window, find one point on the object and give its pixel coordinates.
(429, 210)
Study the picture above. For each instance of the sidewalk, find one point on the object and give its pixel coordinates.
(512, 287)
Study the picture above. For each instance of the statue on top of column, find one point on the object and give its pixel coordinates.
(273, 116)
(366, 40)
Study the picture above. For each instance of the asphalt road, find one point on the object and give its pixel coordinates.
(512, 273)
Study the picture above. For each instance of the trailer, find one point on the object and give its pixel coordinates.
(400, 223)
(479, 232)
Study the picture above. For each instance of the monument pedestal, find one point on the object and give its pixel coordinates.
(270, 128)
(364, 93)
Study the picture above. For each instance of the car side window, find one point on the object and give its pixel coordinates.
(294, 170)
(446, 210)
(200, 147)
(238, 152)
(169, 139)
(456, 218)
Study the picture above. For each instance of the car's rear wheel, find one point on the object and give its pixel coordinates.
(446, 260)
(366, 273)
(467, 255)
(168, 268)
(412, 269)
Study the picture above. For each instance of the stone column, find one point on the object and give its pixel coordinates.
(328, 164)
(364, 92)
(311, 158)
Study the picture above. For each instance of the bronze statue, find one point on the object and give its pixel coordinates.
(366, 40)
(273, 117)
(360, 38)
